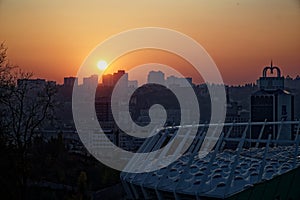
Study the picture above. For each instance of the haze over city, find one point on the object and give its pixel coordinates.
(52, 38)
(149, 99)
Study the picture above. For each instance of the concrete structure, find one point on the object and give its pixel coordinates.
(241, 173)
(179, 82)
(103, 109)
(157, 77)
(70, 81)
(110, 80)
(107, 80)
(133, 84)
(260, 162)
(272, 103)
(91, 81)
(120, 75)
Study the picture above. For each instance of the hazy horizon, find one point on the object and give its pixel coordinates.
(52, 38)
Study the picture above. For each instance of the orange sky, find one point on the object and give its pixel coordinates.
(150, 57)
(52, 38)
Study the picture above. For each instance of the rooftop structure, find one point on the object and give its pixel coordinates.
(272, 103)
(157, 77)
(221, 174)
(271, 83)
(70, 81)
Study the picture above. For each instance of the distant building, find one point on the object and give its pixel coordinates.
(157, 77)
(31, 83)
(91, 81)
(189, 80)
(180, 82)
(293, 84)
(65, 92)
(33, 86)
(103, 109)
(110, 80)
(107, 80)
(120, 74)
(133, 84)
(70, 81)
(52, 83)
(272, 103)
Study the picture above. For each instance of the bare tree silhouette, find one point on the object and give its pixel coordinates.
(24, 107)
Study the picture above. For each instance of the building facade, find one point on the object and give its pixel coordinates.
(272, 103)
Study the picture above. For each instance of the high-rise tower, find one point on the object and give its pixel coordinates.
(272, 103)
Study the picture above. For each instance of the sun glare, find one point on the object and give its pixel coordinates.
(102, 65)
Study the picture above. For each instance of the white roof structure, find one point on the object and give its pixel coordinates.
(223, 172)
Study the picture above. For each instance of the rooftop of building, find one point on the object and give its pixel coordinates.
(222, 172)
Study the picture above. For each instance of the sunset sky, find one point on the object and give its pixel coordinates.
(52, 38)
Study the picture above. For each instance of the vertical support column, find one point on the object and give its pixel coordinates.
(263, 163)
(260, 134)
(240, 147)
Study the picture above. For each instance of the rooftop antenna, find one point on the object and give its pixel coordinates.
(271, 63)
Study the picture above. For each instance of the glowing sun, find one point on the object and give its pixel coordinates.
(102, 65)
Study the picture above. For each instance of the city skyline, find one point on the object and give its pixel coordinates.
(168, 78)
(51, 39)
(157, 99)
